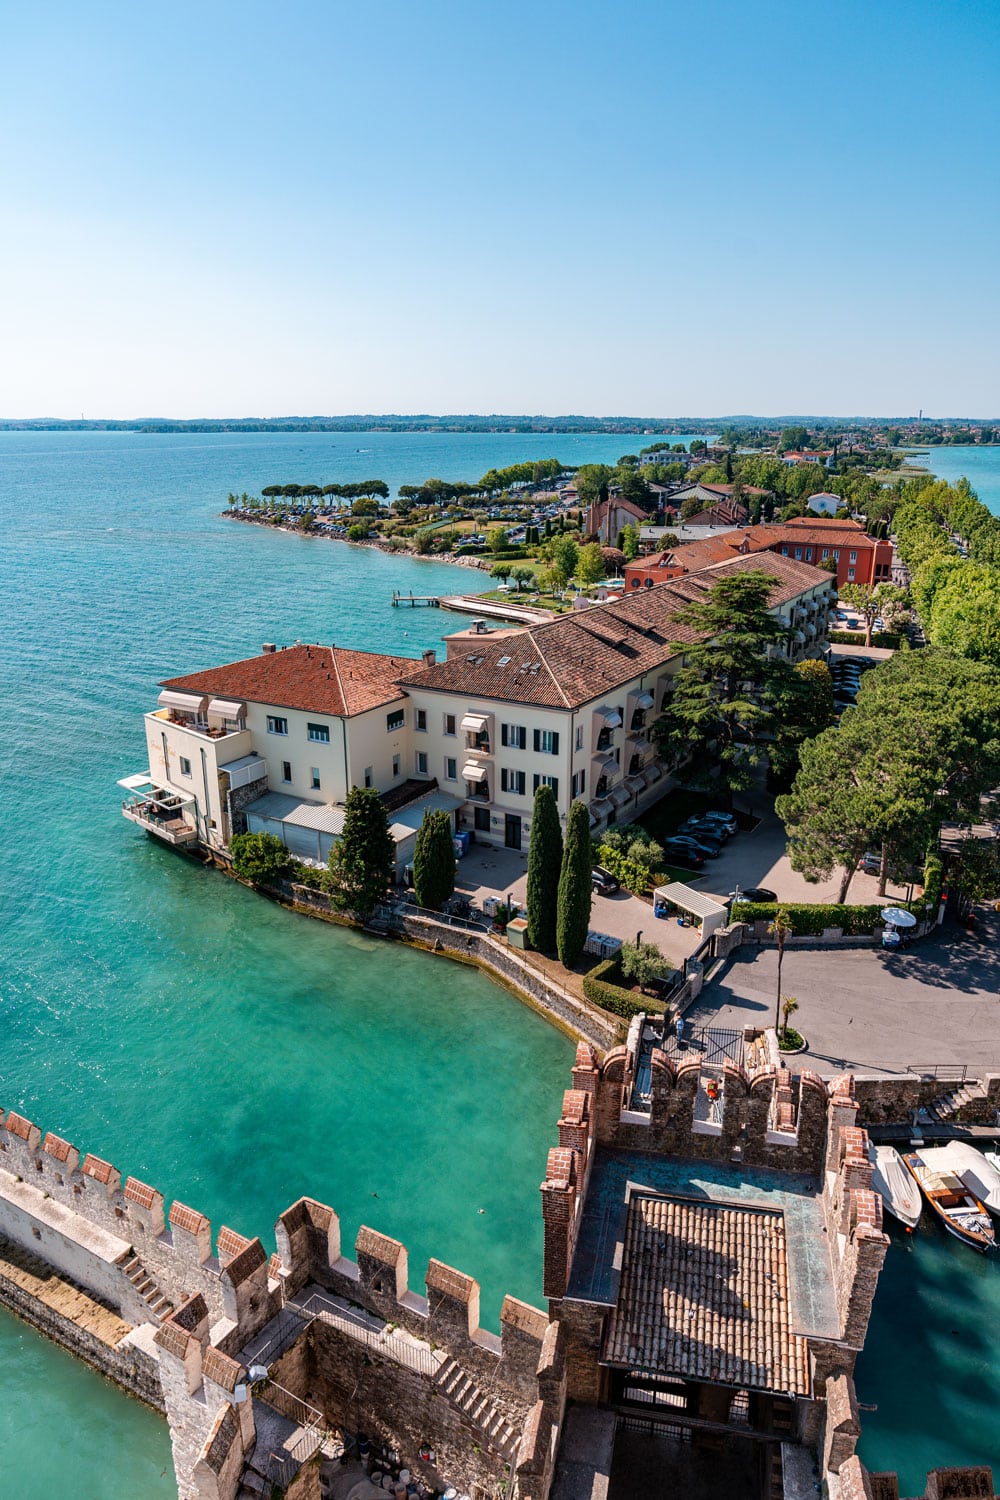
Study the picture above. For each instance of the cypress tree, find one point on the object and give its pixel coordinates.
(363, 860)
(434, 860)
(544, 862)
(575, 890)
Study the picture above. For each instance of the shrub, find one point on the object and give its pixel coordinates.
(635, 877)
(890, 639)
(933, 880)
(811, 921)
(308, 875)
(434, 860)
(260, 858)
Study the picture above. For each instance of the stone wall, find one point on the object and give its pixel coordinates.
(892, 1098)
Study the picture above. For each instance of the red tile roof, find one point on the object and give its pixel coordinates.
(318, 679)
(19, 1126)
(54, 1145)
(574, 658)
(93, 1166)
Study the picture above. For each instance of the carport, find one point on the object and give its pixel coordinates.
(707, 914)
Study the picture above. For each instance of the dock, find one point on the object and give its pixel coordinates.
(415, 601)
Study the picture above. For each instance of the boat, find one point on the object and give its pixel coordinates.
(894, 1184)
(981, 1176)
(959, 1210)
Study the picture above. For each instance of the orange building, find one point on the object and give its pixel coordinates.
(859, 557)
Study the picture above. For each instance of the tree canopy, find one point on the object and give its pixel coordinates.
(363, 860)
(544, 865)
(434, 860)
(575, 887)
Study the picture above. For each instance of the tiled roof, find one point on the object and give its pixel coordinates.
(379, 1246)
(19, 1126)
(54, 1145)
(229, 1244)
(574, 658)
(220, 1368)
(141, 1193)
(318, 679)
(182, 1217)
(93, 1166)
(243, 1266)
(704, 1295)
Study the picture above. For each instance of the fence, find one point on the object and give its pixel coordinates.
(358, 1325)
(939, 1072)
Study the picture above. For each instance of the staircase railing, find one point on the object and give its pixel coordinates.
(939, 1072)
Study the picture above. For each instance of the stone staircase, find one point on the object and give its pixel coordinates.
(160, 1307)
(475, 1404)
(948, 1105)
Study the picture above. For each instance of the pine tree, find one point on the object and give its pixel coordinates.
(434, 860)
(363, 860)
(544, 862)
(575, 890)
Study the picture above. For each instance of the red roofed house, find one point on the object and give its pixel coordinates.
(607, 519)
(810, 539)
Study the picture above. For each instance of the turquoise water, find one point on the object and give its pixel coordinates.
(981, 466)
(230, 1053)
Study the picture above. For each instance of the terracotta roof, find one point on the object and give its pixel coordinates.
(318, 679)
(19, 1126)
(219, 1367)
(182, 1217)
(243, 1266)
(442, 1278)
(141, 1193)
(191, 1313)
(379, 1246)
(54, 1145)
(230, 1244)
(575, 658)
(704, 1295)
(101, 1171)
(221, 1440)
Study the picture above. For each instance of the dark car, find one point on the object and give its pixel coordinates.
(684, 854)
(753, 893)
(709, 847)
(603, 881)
(695, 827)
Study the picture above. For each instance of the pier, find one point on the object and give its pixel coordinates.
(415, 601)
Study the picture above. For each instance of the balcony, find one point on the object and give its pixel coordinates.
(195, 725)
(215, 718)
(160, 810)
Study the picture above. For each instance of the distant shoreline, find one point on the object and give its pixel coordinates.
(379, 544)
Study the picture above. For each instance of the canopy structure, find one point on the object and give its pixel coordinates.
(474, 773)
(188, 703)
(640, 745)
(605, 765)
(708, 913)
(475, 723)
(644, 700)
(896, 916)
(611, 716)
(227, 708)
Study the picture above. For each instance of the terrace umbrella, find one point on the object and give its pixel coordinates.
(897, 917)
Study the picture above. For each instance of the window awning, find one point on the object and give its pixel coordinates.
(189, 703)
(227, 708)
(605, 765)
(798, 636)
(640, 746)
(133, 783)
(643, 700)
(620, 795)
(475, 723)
(611, 716)
(475, 773)
(651, 774)
(636, 784)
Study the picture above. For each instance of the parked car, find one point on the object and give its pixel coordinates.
(726, 820)
(680, 852)
(871, 863)
(706, 845)
(753, 893)
(603, 881)
(695, 827)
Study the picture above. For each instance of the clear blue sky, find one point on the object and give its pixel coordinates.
(649, 208)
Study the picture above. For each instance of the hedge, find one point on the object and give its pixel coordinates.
(600, 987)
(891, 640)
(811, 921)
(634, 877)
(933, 880)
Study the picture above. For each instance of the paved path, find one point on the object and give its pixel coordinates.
(935, 1003)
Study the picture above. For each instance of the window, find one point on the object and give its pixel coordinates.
(449, 723)
(286, 770)
(421, 763)
(546, 741)
(368, 777)
(850, 573)
(809, 554)
(853, 557)
(514, 736)
(579, 737)
(396, 719)
(320, 733)
(451, 769)
(422, 720)
(512, 781)
(836, 554)
(826, 553)
(552, 781)
(579, 784)
(395, 765)
(798, 554)
(784, 551)
(482, 817)
(314, 777)
(185, 766)
(276, 725)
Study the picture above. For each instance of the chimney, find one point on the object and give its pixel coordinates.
(268, 648)
(428, 657)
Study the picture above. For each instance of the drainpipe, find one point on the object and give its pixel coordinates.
(208, 803)
(347, 778)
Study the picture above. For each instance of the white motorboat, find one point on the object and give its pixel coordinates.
(894, 1184)
(980, 1175)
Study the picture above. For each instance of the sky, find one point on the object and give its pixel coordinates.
(643, 207)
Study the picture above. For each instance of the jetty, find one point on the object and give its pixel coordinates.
(415, 601)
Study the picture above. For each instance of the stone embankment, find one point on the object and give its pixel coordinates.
(483, 564)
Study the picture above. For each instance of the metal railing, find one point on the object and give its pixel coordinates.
(288, 1404)
(290, 1327)
(939, 1072)
(358, 1325)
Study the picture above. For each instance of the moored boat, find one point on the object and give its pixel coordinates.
(959, 1210)
(979, 1174)
(894, 1184)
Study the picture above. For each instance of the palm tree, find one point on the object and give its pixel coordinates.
(782, 929)
(788, 1008)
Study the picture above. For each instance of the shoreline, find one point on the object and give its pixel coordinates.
(374, 543)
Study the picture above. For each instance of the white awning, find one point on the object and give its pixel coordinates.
(606, 765)
(475, 723)
(696, 902)
(475, 773)
(227, 708)
(611, 716)
(133, 783)
(189, 703)
(644, 700)
(640, 746)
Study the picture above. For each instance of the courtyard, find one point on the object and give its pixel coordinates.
(934, 1004)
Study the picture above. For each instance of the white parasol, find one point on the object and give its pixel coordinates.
(897, 917)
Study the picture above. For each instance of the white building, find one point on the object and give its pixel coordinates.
(274, 743)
